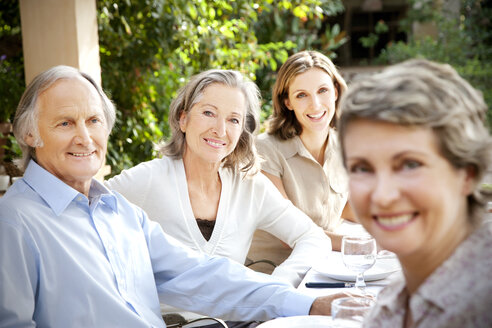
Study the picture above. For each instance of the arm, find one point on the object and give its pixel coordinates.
(289, 224)
(336, 239)
(217, 286)
(18, 278)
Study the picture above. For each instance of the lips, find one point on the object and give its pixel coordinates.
(316, 117)
(83, 154)
(215, 143)
(394, 222)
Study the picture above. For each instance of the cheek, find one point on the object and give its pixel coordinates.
(359, 192)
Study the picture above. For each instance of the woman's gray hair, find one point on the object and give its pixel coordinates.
(422, 93)
(283, 122)
(26, 116)
(244, 156)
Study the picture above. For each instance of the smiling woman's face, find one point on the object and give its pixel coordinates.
(214, 124)
(403, 191)
(312, 96)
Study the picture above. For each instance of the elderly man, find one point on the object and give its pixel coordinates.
(74, 254)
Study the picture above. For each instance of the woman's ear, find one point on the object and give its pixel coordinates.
(182, 121)
(470, 180)
(287, 104)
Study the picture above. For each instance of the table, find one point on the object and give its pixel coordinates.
(373, 287)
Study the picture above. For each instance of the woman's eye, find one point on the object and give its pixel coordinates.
(234, 120)
(359, 168)
(411, 164)
(208, 113)
(64, 124)
(301, 95)
(95, 120)
(322, 90)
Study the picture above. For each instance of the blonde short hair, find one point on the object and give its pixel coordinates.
(423, 93)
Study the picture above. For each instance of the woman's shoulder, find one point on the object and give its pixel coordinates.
(268, 144)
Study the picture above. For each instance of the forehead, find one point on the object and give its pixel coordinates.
(313, 76)
(70, 95)
(223, 97)
(375, 138)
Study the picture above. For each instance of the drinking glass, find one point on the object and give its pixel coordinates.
(359, 254)
(350, 311)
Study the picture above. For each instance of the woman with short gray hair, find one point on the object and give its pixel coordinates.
(416, 147)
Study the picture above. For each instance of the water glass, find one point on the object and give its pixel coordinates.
(349, 312)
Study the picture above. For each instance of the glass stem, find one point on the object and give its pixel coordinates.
(360, 283)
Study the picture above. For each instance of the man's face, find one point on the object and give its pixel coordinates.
(73, 130)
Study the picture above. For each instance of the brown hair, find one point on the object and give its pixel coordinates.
(283, 122)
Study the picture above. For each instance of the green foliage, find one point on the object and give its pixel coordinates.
(150, 48)
(371, 40)
(464, 42)
(11, 60)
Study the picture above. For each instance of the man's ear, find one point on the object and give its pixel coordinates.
(30, 140)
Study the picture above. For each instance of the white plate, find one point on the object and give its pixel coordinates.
(301, 321)
(335, 269)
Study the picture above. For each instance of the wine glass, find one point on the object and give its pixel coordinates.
(359, 254)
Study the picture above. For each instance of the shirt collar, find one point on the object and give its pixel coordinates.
(57, 194)
(290, 147)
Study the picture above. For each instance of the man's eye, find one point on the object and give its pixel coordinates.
(64, 124)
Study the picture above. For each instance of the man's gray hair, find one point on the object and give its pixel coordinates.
(423, 93)
(26, 116)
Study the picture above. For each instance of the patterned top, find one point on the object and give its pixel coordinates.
(457, 294)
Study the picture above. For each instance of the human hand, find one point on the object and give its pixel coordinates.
(322, 305)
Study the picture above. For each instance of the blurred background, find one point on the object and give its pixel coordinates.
(143, 51)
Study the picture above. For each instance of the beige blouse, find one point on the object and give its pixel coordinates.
(319, 191)
(458, 294)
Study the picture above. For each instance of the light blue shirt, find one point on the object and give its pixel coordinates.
(68, 262)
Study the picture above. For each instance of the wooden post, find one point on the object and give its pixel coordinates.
(60, 32)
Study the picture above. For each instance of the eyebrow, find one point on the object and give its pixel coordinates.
(216, 108)
(319, 86)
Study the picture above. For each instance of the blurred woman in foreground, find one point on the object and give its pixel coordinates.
(415, 146)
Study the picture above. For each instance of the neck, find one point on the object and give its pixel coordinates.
(419, 266)
(315, 143)
(202, 175)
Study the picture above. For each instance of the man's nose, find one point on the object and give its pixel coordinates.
(82, 135)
